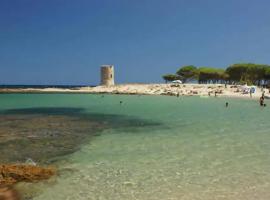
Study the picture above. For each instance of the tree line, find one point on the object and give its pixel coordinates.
(240, 73)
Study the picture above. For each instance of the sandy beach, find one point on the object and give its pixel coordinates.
(203, 90)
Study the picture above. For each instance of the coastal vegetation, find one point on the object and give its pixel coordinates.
(240, 73)
(187, 73)
(170, 77)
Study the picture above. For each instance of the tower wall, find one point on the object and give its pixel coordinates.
(107, 75)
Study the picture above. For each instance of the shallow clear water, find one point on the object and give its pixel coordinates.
(156, 147)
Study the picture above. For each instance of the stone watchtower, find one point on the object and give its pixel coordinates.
(107, 75)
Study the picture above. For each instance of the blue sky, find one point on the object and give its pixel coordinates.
(65, 41)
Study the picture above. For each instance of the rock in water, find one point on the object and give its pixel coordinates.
(14, 173)
(9, 193)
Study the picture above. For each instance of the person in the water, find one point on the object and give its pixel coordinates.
(264, 105)
(262, 101)
(227, 104)
(121, 102)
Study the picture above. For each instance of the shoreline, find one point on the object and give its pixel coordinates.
(231, 91)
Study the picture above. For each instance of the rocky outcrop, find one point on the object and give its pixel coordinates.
(11, 174)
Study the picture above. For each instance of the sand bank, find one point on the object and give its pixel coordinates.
(151, 89)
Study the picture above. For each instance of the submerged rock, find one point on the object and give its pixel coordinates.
(43, 138)
(14, 173)
(9, 193)
(45, 135)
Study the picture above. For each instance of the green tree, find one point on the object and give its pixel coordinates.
(267, 74)
(255, 73)
(187, 73)
(170, 77)
(236, 72)
(249, 73)
(214, 75)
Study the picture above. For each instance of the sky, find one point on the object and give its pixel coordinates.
(66, 41)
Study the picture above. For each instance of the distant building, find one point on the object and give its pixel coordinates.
(107, 75)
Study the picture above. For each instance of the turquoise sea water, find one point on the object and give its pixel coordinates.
(148, 147)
